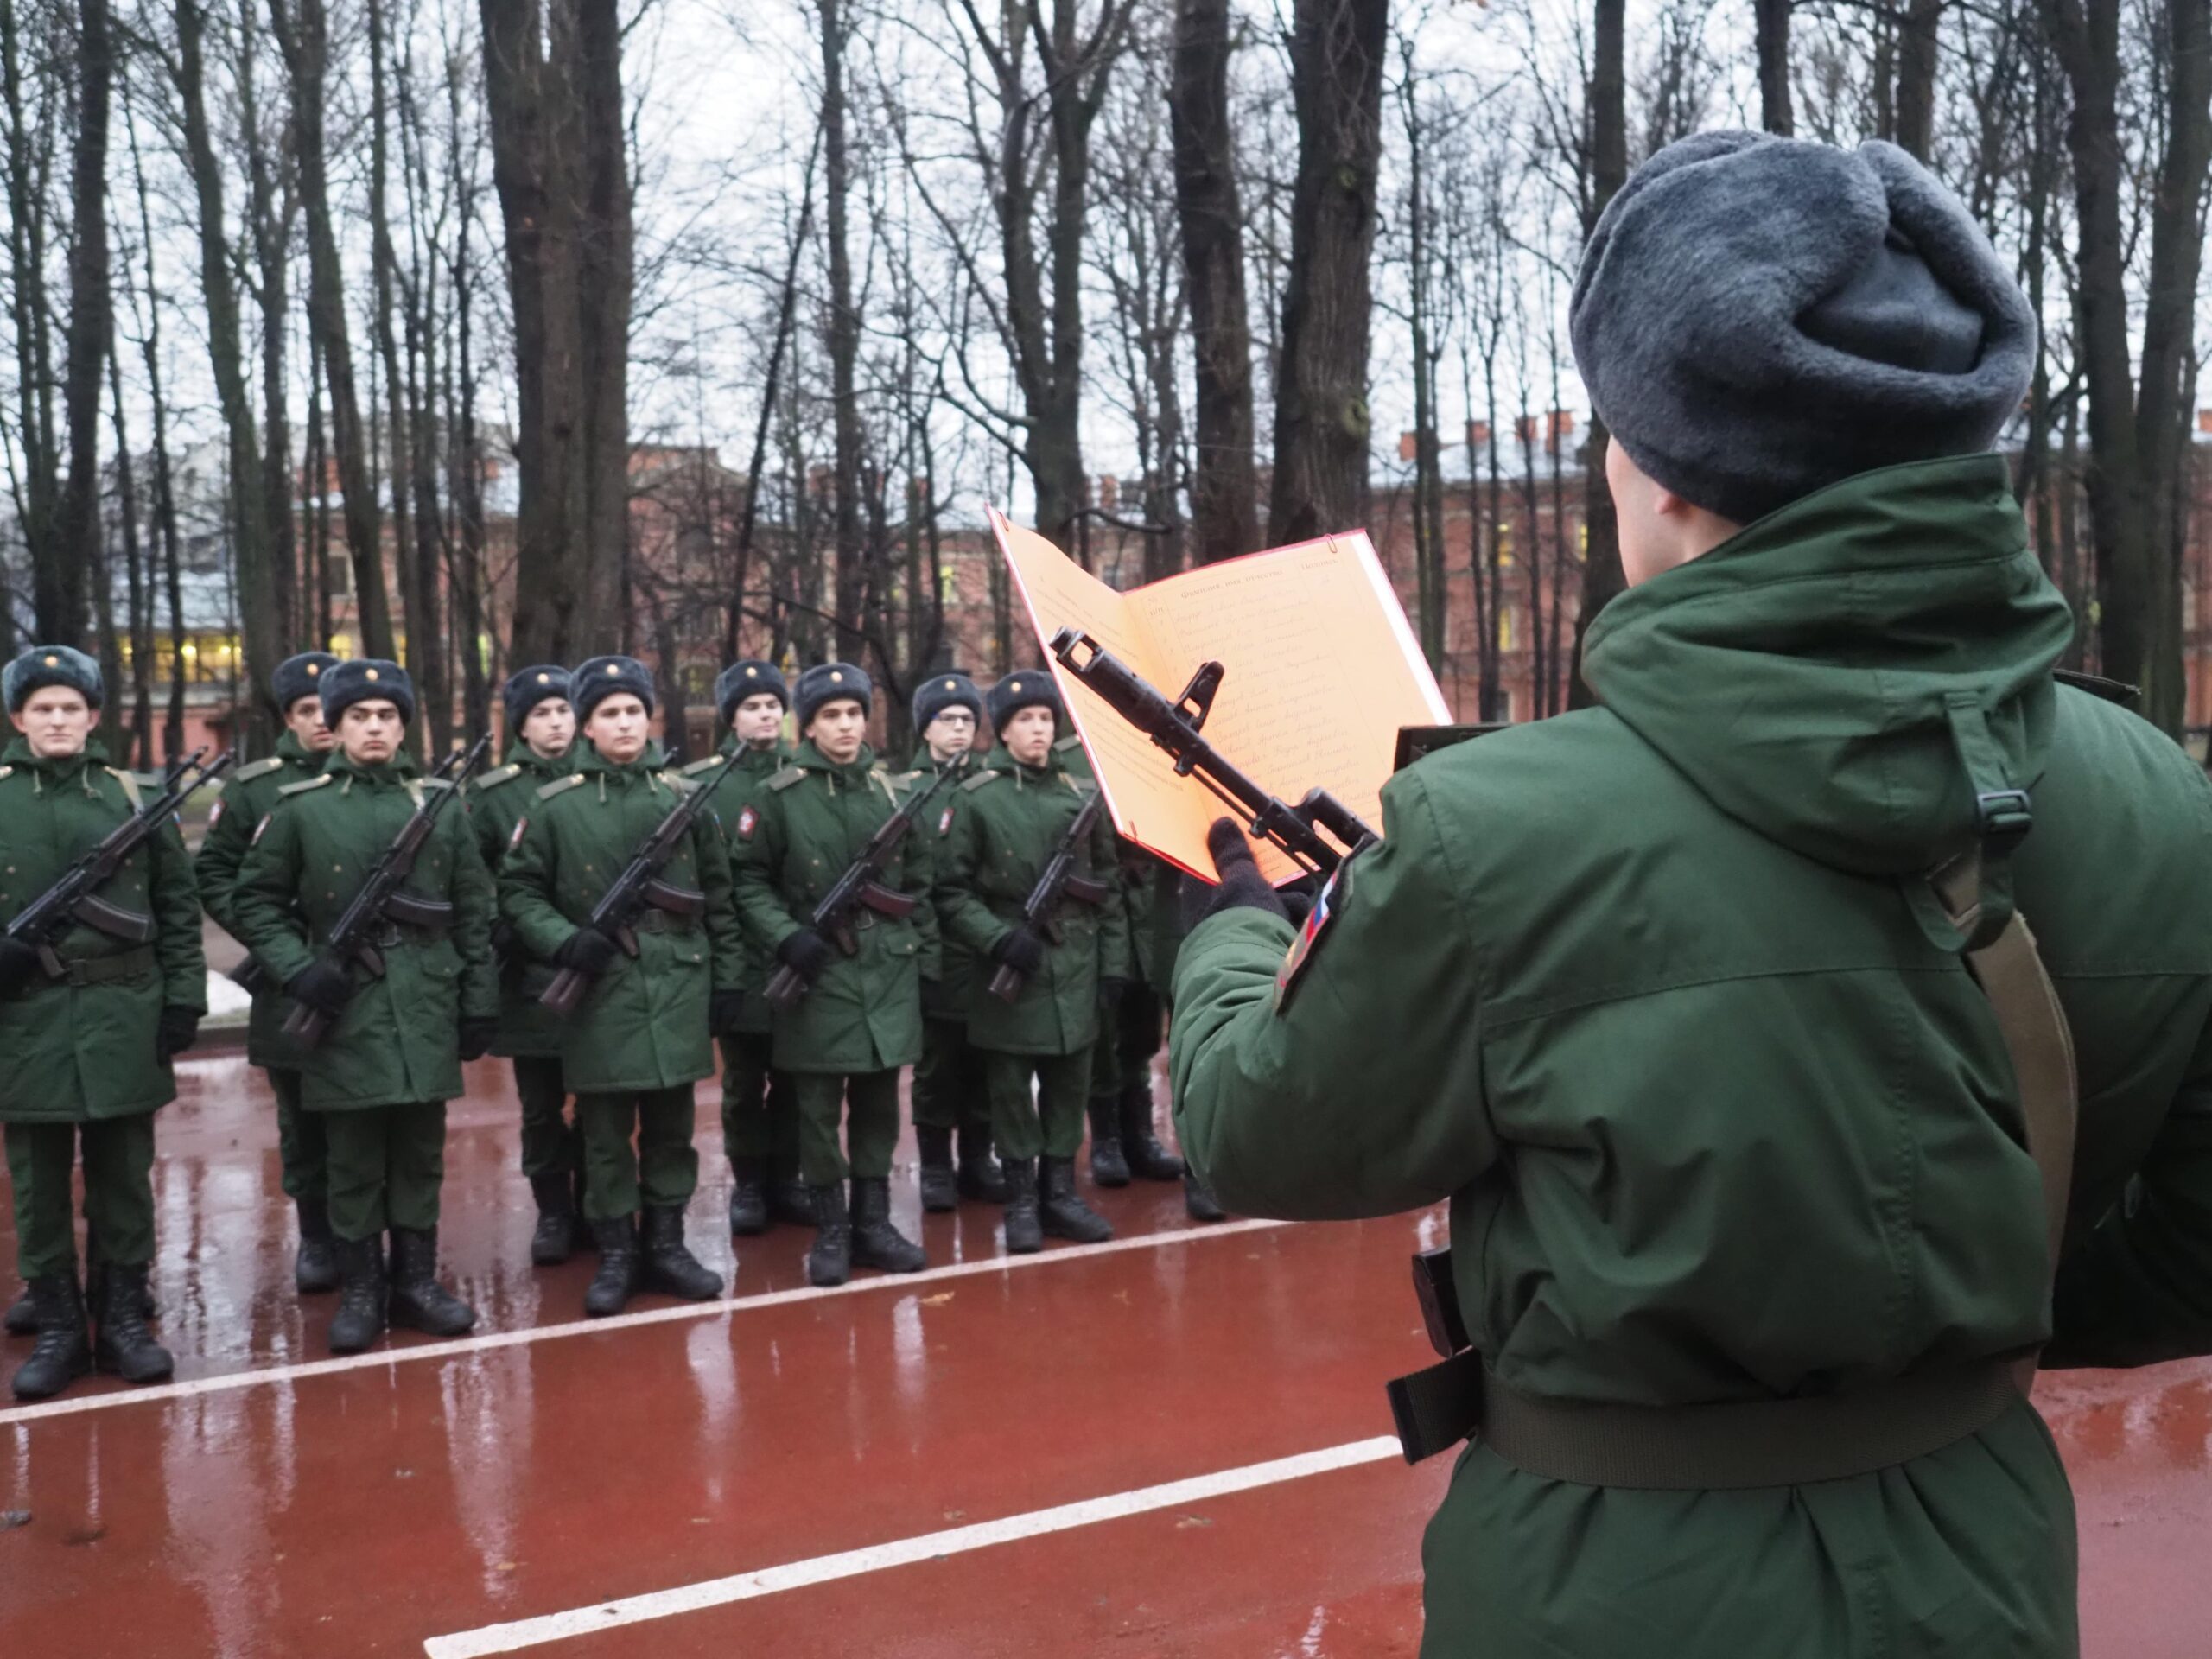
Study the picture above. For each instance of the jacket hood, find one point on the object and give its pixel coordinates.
(19, 753)
(1827, 676)
(584, 757)
(811, 758)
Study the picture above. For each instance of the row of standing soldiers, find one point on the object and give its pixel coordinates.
(498, 900)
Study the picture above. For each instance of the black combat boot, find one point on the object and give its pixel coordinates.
(940, 1188)
(1107, 1167)
(1023, 1235)
(790, 1200)
(122, 1345)
(315, 1268)
(1198, 1202)
(749, 1197)
(93, 1258)
(1061, 1213)
(830, 1262)
(22, 1319)
(981, 1179)
(418, 1300)
(1148, 1161)
(62, 1354)
(669, 1264)
(555, 1240)
(359, 1320)
(876, 1241)
(617, 1268)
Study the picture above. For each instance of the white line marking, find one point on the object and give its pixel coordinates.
(682, 1311)
(854, 1563)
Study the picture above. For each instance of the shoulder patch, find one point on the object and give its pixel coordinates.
(261, 768)
(499, 775)
(784, 779)
(560, 786)
(305, 784)
(1336, 894)
(944, 822)
(748, 820)
(969, 785)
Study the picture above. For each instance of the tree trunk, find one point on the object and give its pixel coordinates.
(2135, 450)
(61, 581)
(270, 212)
(138, 618)
(304, 40)
(1919, 43)
(1321, 410)
(1602, 576)
(844, 335)
(40, 491)
(1771, 31)
(422, 640)
(1225, 488)
(606, 279)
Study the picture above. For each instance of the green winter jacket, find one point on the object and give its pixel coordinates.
(947, 995)
(71, 1052)
(1648, 994)
(643, 1026)
(397, 1041)
(738, 790)
(249, 794)
(810, 821)
(499, 803)
(1007, 821)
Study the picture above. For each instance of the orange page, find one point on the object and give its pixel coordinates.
(1322, 670)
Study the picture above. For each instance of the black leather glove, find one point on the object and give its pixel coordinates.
(1021, 950)
(322, 986)
(503, 939)
(724, 1009)
(19, 965)
(1241, 884)
(587, 950)
(476, 1035)
(179, 1030)
(806, 953)
(1111, 989)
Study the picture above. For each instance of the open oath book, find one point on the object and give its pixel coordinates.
(1322, 671)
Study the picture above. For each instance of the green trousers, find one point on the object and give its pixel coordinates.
(118, 1155)
(950, 1092)
(550, 1146)
(660, 1171)
(387, 1166)
(1051, 1124)
(759, 1106)
(1126, 1047)
(303, 1146)
(868, 1103)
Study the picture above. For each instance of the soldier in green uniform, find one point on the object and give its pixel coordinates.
(759, 1109)
(949, 1093)
(542, 729)
(400, 1024)
(1672, 999)
(860, 1019)
(1007, 822)
(85, 1052)
(641, 1037)
(249, 794)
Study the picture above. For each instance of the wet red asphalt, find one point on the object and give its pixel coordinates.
(367, 1510)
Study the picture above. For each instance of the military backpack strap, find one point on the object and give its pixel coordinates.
(133, 791)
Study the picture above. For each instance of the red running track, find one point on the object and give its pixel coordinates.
(271, 1502)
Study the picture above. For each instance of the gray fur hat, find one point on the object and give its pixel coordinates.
(826, 682)
(1026, 687)
(44, 665)
(366, 679)
(746, 678)
(300, 677)
(946, 689)
(598, 678)
(1756, 318)
(528, 687)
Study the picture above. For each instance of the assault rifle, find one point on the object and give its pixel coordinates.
(75, 900)
(1175, 727)
(380, 902)
(1040, 911)
(859, 887)
(640, 886)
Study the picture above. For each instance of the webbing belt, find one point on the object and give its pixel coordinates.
(1790, 1442)
(105, 971)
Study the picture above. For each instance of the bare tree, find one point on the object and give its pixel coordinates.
(61, 581)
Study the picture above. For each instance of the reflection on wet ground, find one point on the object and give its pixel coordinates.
(362, 1510)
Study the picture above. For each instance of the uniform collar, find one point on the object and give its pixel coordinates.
(18, 754)
(812, 760)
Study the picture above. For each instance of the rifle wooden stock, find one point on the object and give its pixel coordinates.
(566, 991)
